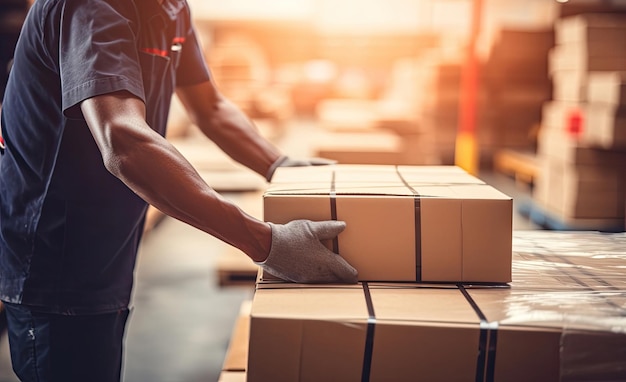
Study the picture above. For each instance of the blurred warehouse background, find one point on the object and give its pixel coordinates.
(529, 95)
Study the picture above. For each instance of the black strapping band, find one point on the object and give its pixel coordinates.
(593, 277)
(369, 338)
(333, 209)
(488, 340)
(418, 227)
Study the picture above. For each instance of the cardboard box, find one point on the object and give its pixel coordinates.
(569, 86)
(557, 144)
(602, 33)
(378, 147)
(581, 192)
(561, 319)
(605, 125)
(404, 223)
(603, 87)
(560, 115)
(590, 124)
(607, 88)
(577, 58)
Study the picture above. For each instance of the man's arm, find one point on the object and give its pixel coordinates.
(224, 123)
(158, 173)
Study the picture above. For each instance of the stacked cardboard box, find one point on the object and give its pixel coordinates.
(438, 103)
(515, 77)
(562, 318)
(404, 223)
(582, 144)
(384, 130)
(513, 84)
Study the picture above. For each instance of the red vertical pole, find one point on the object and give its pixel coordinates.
(466, 150)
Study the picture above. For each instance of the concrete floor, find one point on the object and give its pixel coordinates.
(182, 320)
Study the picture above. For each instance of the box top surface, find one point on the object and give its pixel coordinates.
(381, 180)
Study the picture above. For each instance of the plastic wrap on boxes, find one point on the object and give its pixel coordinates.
(588, 300)
(563, 318)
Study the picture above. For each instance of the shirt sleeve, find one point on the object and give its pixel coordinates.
(193, 68)
(97, 52)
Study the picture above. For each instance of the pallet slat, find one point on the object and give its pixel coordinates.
(523, 166)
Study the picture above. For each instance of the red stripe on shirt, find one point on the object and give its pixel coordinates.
(155, 51)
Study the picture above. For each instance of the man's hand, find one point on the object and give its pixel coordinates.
(298, 255)
(285, 161)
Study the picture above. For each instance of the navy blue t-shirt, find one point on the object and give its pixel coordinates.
(69, 230)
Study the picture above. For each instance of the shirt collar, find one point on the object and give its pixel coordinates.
(169, 8)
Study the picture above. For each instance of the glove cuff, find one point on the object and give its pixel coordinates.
(274, 166)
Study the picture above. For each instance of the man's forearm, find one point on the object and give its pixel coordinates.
(238, 137)
(225, 124)
(159, 174)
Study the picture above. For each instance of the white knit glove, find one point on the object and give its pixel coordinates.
(298, 255)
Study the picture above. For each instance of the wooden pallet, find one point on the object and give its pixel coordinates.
(523, 166)
(236, 359)
(234, 268)
(550, 220)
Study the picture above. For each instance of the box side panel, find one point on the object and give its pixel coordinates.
(284, 208)
(441, 239)
(274, 350)
(379, 239)
(591, 355)
(425, 352)
(332, 351)
(527, 354)
(487, 240)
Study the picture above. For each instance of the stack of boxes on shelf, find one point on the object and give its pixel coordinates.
(513, 85)
(438, 102)
(416, 119)
(516, 81)
(582, 143)
(539, 312)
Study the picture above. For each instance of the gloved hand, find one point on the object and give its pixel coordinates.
(298, 255)
(285, 161)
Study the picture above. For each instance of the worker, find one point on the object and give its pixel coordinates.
(83, 120)
(12, 13)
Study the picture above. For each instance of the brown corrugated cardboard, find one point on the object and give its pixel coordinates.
(321, 335)
(379, 147)
(572, 87)
(558, 115)
(561, 319)
(604, 32)
(605, 125)
(607, 88)
(404, 223)
(599, 125)
(569, 86)
(578, 58)
(578, 191)
(560, 145)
